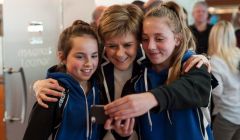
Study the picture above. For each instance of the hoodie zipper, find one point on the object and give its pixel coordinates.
(87, 112)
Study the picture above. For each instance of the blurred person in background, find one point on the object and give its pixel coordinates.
(96, 15)
(236, 24)
(201, 29)
(225, 60)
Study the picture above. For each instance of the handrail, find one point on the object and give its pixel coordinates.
(22, 118)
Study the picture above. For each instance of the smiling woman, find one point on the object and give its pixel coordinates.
(121, 51)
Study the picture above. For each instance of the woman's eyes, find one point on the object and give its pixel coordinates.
(116, 46)
(127, 45)
(111, 46)
(144, 39)
(159, 39)
(79, 57)
(95, 56)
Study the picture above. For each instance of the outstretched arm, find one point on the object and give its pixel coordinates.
(190, 90)
(41, 123)
(193, 89)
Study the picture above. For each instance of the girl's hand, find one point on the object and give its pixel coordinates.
(131, 106)
(123, 127)
(45, 88)
(197, 60)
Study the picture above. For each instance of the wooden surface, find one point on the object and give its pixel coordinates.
(2, 124)
(222, 2)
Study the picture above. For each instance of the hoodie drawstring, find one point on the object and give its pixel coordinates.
(146, 88)
(104, 79)
(169, 118)
(94, 95)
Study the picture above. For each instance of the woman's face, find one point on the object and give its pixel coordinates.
(82, 60)
(158, 41)
(121, 50)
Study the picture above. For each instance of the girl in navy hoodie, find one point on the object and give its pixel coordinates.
(178, 109)
(68, 118)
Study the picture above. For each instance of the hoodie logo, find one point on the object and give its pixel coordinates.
(61, 100)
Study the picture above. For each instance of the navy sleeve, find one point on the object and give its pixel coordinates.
(191, 90)
(41, 122)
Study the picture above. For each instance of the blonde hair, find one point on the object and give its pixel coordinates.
(222, 43)
(119, 20)
(175, 18)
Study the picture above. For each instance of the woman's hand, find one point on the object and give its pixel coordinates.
(123, 127)
(197, 60)
(131, 106)
(45, 88)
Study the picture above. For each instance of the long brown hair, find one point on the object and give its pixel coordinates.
(175, 18)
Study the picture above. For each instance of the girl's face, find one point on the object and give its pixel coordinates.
(121, 50)
(158, 41)
(82, 60)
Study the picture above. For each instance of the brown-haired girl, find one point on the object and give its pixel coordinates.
(69, 117)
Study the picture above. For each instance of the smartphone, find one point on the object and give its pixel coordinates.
(97, 114)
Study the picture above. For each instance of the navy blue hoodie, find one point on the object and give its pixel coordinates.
(74, 123)
(189, 123)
